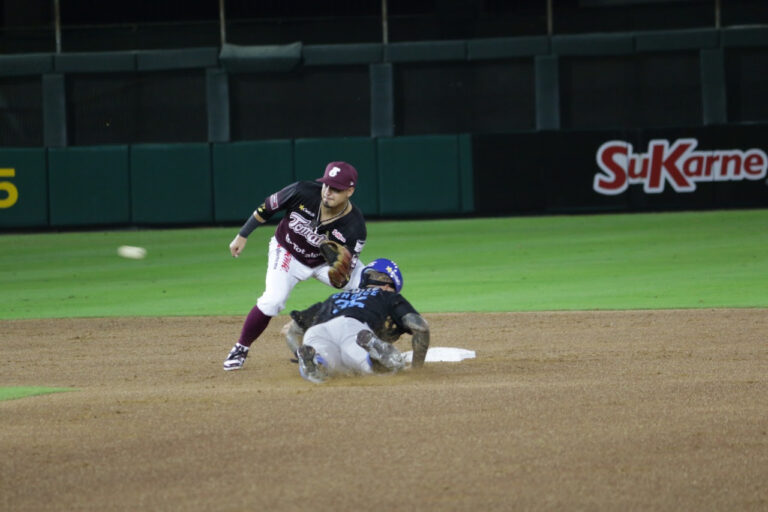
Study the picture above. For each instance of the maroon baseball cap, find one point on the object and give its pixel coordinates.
(339, 175)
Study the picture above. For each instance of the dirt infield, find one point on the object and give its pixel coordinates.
(640, 410)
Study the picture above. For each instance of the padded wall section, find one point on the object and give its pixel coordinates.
(714, 108)
(171, 184)
(382, 100)
(89, 186)
(26, 64)
(593, 44)
(500, 48)
(678, 40)
(54, 110)
(179, 58)
(749, 35)
(332, 54)
(94, 62)
(23, 188)
(425, 51)
(466, 174)
(419, 176)
(588, 171)
(312, 155)
(217, 103)
(245, 173)
(248, 59)
(547, 92)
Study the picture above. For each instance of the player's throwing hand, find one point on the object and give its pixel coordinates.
(237, 245)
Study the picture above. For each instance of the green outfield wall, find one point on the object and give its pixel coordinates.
(23, 188)
(88, 186)
(218, 183)
(549, 172)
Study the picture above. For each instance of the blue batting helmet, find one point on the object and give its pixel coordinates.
(383, 266)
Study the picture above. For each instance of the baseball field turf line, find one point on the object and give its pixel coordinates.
(13, 392)
(579, 262)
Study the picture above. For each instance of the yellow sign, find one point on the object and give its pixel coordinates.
(9, 188)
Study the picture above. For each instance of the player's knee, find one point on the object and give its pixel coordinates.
(270, 307)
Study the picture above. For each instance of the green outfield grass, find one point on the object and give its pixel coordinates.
(670, 260)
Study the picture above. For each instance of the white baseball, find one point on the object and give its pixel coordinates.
(129, 251)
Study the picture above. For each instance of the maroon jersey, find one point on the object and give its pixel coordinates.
(300, 232)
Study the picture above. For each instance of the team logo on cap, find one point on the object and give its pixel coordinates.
(333, 172)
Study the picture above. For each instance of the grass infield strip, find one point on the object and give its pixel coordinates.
(11, 393)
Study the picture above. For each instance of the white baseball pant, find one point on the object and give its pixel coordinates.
(335, 342)
(284, 272)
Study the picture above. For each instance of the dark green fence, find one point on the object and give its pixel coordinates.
(204, 184)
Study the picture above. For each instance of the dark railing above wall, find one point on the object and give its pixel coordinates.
(119, 25)
(624, 80)
(228, 70)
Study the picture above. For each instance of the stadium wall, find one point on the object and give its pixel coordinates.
(221, 183)
(485, 126)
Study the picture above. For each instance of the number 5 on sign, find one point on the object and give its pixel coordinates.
(9, 188)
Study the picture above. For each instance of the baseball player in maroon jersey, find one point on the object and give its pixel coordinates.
(315, 211)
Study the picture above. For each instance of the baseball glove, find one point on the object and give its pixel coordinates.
(339, 259)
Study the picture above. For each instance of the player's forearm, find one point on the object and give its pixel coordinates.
(420, 340)
(293, 335)
(251, 224)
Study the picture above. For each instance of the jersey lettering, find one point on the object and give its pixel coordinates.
(301, 202)
(301, 227)
(342, 304)
(357, 299)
